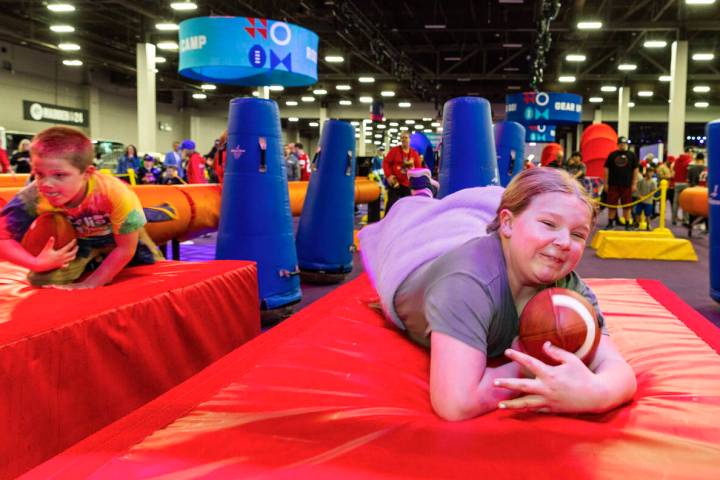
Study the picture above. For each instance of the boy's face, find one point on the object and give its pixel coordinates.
(59, 181)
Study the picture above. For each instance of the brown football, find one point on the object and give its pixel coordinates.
(45, 226)
(565, 318)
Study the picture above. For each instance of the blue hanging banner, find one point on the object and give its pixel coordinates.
(247, 51)
(543, 108)
(540, 133)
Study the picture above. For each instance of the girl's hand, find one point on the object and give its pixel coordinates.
(51, 259)
(73, 286)
(567, 388)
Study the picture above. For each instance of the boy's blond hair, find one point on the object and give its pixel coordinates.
(64, 142)
(533, 182)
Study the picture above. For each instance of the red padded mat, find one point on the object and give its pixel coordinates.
(335, 392)
(72, 362)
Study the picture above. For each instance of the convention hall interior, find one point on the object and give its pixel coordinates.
(359, 239)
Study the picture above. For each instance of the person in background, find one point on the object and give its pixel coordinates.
(210, 172)
(645, 185)
(129, 161)
(4, 161)
(621, 171)
(303, 162)
(195, 163)
(291, 163)
(681, 182)
(220, 159)
(173, 157)
(696, 170)
(377, 160)
(397, 162)
(20, 160)
(171, 177)
(148, 174)
(575, 166)
(665, 172)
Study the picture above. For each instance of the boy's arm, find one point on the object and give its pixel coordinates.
(47, 259)
(461, 385)
(126, 244)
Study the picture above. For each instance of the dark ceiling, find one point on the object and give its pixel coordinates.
(485, 48)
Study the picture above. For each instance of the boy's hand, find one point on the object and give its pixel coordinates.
(51, 259)
(567, 388)
(73, 286)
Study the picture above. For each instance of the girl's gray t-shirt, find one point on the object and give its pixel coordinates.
(465, 294)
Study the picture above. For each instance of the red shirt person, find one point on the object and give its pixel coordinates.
(397, 162)
(303, 161)
(195, 162)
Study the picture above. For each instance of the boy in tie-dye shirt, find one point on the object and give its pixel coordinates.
(106, 215)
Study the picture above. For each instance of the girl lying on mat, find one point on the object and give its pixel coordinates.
(459, 291)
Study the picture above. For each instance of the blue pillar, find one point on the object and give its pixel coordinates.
(712, 132)
(510, 146)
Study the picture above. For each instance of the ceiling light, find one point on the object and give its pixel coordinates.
(307, 99)
(703, 57)
(255, 93)
(512, 45)
(699, 2)
(452, 59)
(72, 63)
(665, 78)
(631, 104)
(566, 78)
(62, 28)
(393, 124)
(387, 93)
(378, 135)
(291, 103)
(366, 79)
(595, 100)
(403, 129)
(627, 67)
(69, 47)
(377, 142)
(293, 119)
(589, 25)
(167, 27)
(437, 26)
(320, 91)
(345, 103)
(167, 45)
(160, 60)
(183, 6)
(575, 57)
(365, 99)
(702, 104)
(701, 89)
(343, 88)
(435, 124)
(655, 44)
(61, 7)
(381, 126)
(199, 96)
(208, 86)
(404, 104)
(313, 124)
(409, 122)
(645, 93)
(276, 88)
(334, 58)
(419, 127)
(608, 88)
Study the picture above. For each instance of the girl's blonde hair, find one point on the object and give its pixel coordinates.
(533, 182)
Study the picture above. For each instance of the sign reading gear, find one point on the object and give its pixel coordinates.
(543, 108)
(45, 112)
(247, 51)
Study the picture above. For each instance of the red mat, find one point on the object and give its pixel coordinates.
(71, 362)
(335, 392)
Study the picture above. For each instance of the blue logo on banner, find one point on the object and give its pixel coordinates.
(257, 56)
(540, 133)
(275, 61)
(543, 108)
(247, 51)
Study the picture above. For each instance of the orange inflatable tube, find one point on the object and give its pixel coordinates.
(13, 179)
(694, 200)
(197, 207)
